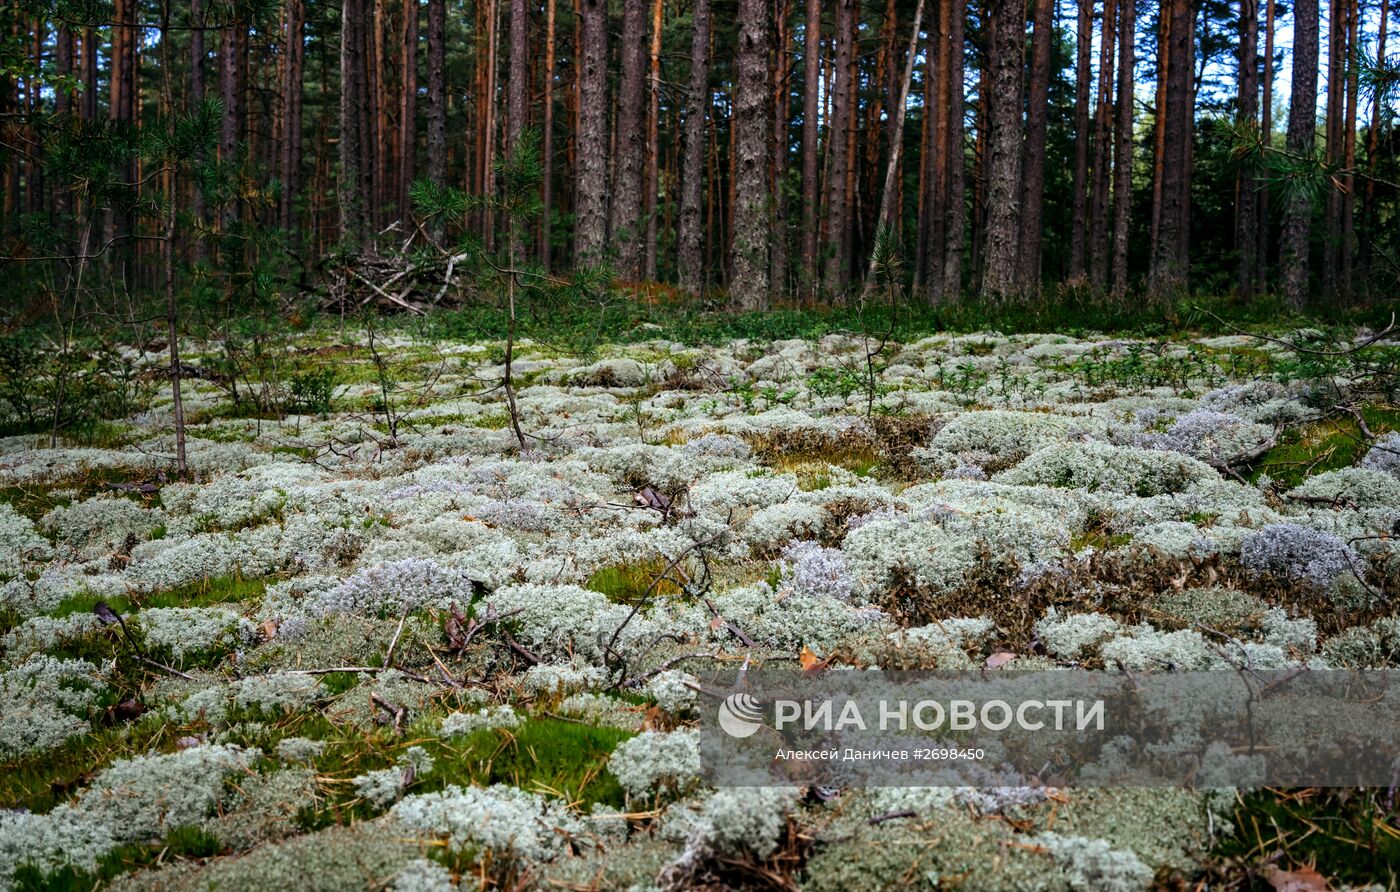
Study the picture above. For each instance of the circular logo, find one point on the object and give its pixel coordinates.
(740, 715)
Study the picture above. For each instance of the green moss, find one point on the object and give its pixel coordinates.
(1322, 446)
(34, 500)
(554, 757)
(200, 593)
(179, 844)
(1349, 836)
(629, 583)
(40, 781)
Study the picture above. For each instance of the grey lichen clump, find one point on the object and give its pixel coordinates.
(351, 663)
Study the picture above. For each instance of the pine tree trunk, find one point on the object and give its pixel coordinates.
(752, 226)
(627, 225)
(591, 205)
(1103, 150)
(1033, 195)
(653, 172)
(437, 92)
(291, 118)
(838, 259)
(518, 102)
(1005, 64)
(487, 103)
(1266, 132)
(1347, 248)
(690, 262)
(778, 254)
(1170, 257)
(1302, 125)
(1368, 198)
(956, 162)
(1080, 189)
(811, 130)
(63, 65)
(1123, 151)
(1336, 90)
(231, 94)
(87, 99)
(928, 264)
(1247, 116)
(889, 212)
(350, 186)
(547, 150)
(408, 110)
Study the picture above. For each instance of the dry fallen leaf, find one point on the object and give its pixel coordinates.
(716, 623)
(807, 658)
(1303, 879)
(999, 659)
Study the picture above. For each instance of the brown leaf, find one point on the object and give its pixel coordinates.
(999, 659)
(716, 623)
(269, 629)
(651, 719)
(1303, 879)
(810, 661)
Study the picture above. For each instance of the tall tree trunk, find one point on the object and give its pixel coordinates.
(487, 103)
(408, 109)
(956, 163)
(350, 189)
(1103, 150)
(690, 230)
(1033, 195)
(933, 161)
(1123, 151)
(518, 102)
(1247, 116)
(1302, 125)
(231, 95)
(63, 65)
(167, 251)
(87, 99)
(1336, 91)
(811, 130)
(627, 225)
(842, 127)
(437, 93)
(778, 254)
(1170, 255)
(1368, 198)
(752, 226)
(122, 107)
(1080, 189)
(1266, 131)
(1347, 248)
(547, 185)
(591, 205)
(653, 172)
(889, 214)
(1006, 31)
(291, 118)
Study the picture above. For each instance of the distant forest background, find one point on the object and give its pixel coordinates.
(761, 152)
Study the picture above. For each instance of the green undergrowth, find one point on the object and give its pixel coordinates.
(180, 843)
(1070, 312)
(554, 757)
(205, 592)
(630, 583)
(40, 781)
(1325, 445)
(34, 500)
(1348, 836)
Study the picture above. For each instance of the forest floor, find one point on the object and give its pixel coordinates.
(362, 645)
